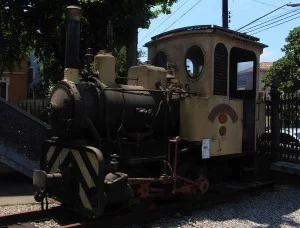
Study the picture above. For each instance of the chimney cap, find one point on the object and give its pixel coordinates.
(74, 13)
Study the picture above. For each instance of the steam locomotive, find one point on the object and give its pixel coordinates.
(176, 127)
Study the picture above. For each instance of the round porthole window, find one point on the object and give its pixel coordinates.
(194, 61)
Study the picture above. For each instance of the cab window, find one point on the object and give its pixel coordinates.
(160, 60)
(220, 70)
(194, 61)
(242, 73)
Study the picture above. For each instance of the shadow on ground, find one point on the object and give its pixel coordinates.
(15, 184)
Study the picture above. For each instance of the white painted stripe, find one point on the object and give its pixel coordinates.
(84, 199)
(63, 154)
(60, 159)
(50, 153)
(94, 161)
(86, 175)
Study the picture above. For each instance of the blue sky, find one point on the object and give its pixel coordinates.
(206, 12)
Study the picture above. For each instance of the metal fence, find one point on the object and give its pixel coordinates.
(34, 107)
(282, 137)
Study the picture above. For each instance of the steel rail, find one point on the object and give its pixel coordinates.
(22, 219)
(228, 192)
(222, 194)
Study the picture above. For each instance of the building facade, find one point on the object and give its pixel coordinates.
(14, 84)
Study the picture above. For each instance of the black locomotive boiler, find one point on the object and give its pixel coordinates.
(159, 136)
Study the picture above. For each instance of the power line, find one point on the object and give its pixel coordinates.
(269, 20)
(184, 14)
(268, 4)
(247, 6)
(164, 21)
(238, 8)
(275, 25)
(272, 23)
(278, 15)
(260, 18)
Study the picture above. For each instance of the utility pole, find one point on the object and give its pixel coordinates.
(225, 13)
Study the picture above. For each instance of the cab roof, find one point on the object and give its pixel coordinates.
(204, 28)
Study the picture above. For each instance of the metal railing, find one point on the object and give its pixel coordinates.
(34, 107)
(21, 138)
(281, 139)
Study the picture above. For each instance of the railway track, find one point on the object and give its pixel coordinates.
(26, 219)
(220, 194)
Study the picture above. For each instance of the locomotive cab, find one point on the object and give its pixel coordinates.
(219, 67)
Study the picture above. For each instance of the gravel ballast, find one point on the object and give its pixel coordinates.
(278, 208)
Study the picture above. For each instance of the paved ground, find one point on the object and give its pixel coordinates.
(15, 188)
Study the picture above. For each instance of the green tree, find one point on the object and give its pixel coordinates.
(40, 26)
(286, 70)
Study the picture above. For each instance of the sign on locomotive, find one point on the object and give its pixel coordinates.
(177, 126)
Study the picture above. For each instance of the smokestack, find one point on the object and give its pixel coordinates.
(72, 37)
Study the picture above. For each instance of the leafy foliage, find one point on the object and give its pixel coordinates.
(286, 70)
(40, 26)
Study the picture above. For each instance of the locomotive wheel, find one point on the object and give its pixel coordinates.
(196, 174)
(203, 183)
(184, 170)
